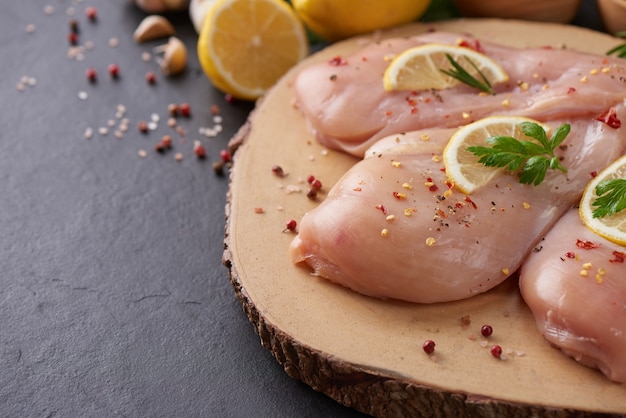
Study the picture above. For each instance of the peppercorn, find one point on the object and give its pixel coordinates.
(496, 351)
(151, 77)
(428, 346)
(91, 75)
(185, 109)
(486, 330)
(278, 170)
(225, 155)
(172, 109)
(114, 70)
(91, 13)
(290, 225)
(142, 125)
(72, 38)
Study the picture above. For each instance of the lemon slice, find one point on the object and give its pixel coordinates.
(462, 167)
(419, 68)
(612, 227)
(246, 46)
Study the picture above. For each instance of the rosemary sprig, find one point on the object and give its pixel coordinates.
(532, 158)
(619, 50)
(463, 76)
(611, 198)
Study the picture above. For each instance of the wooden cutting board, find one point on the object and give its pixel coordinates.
(364, 352)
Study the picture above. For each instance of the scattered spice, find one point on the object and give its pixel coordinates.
(199, 150)
(91, 74)
(114, 70)
(428, 346)
(151, 77)
(619, 257)
(290, 225)
(496, 351)
(486, 330)
(91, 13)
(586, 245)
(185, 109)
(610, 118)
(278, 170)
(225, 155)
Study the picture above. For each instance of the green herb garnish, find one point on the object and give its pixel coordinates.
(611, 197)
(532, 158)
(619, 50)
(463, 76)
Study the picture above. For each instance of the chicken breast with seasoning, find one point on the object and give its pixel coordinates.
(575, 285)
(347, 108)
(394, 227)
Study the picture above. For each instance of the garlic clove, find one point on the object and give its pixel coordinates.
(174, 59)
(153, 27)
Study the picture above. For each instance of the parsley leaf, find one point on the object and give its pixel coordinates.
(531, 158)
(611, 197)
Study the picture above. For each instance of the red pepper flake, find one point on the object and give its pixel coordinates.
(337, 61)
(571, 90)
(570, 254)
(472, 44)
(471, 202)
(619, 257)
(586, 245)
(610, 118)
(382, 208)
(428, 346)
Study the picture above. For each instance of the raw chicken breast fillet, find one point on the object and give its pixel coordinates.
(583, 314)
(346, 107)
(392, 228)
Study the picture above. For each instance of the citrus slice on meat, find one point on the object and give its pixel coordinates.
(246, 46)
(462, 167)
(419, 68)
(611, 227)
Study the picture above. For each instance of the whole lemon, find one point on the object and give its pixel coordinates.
(338, 19)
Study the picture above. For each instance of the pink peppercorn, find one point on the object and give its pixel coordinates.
(496, 351)
(91, 13)
(428, 346)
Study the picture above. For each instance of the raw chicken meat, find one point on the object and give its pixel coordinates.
(345, 105)
(392, 228)
(574, 285)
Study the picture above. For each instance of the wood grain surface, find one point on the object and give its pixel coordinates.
(364, 352)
